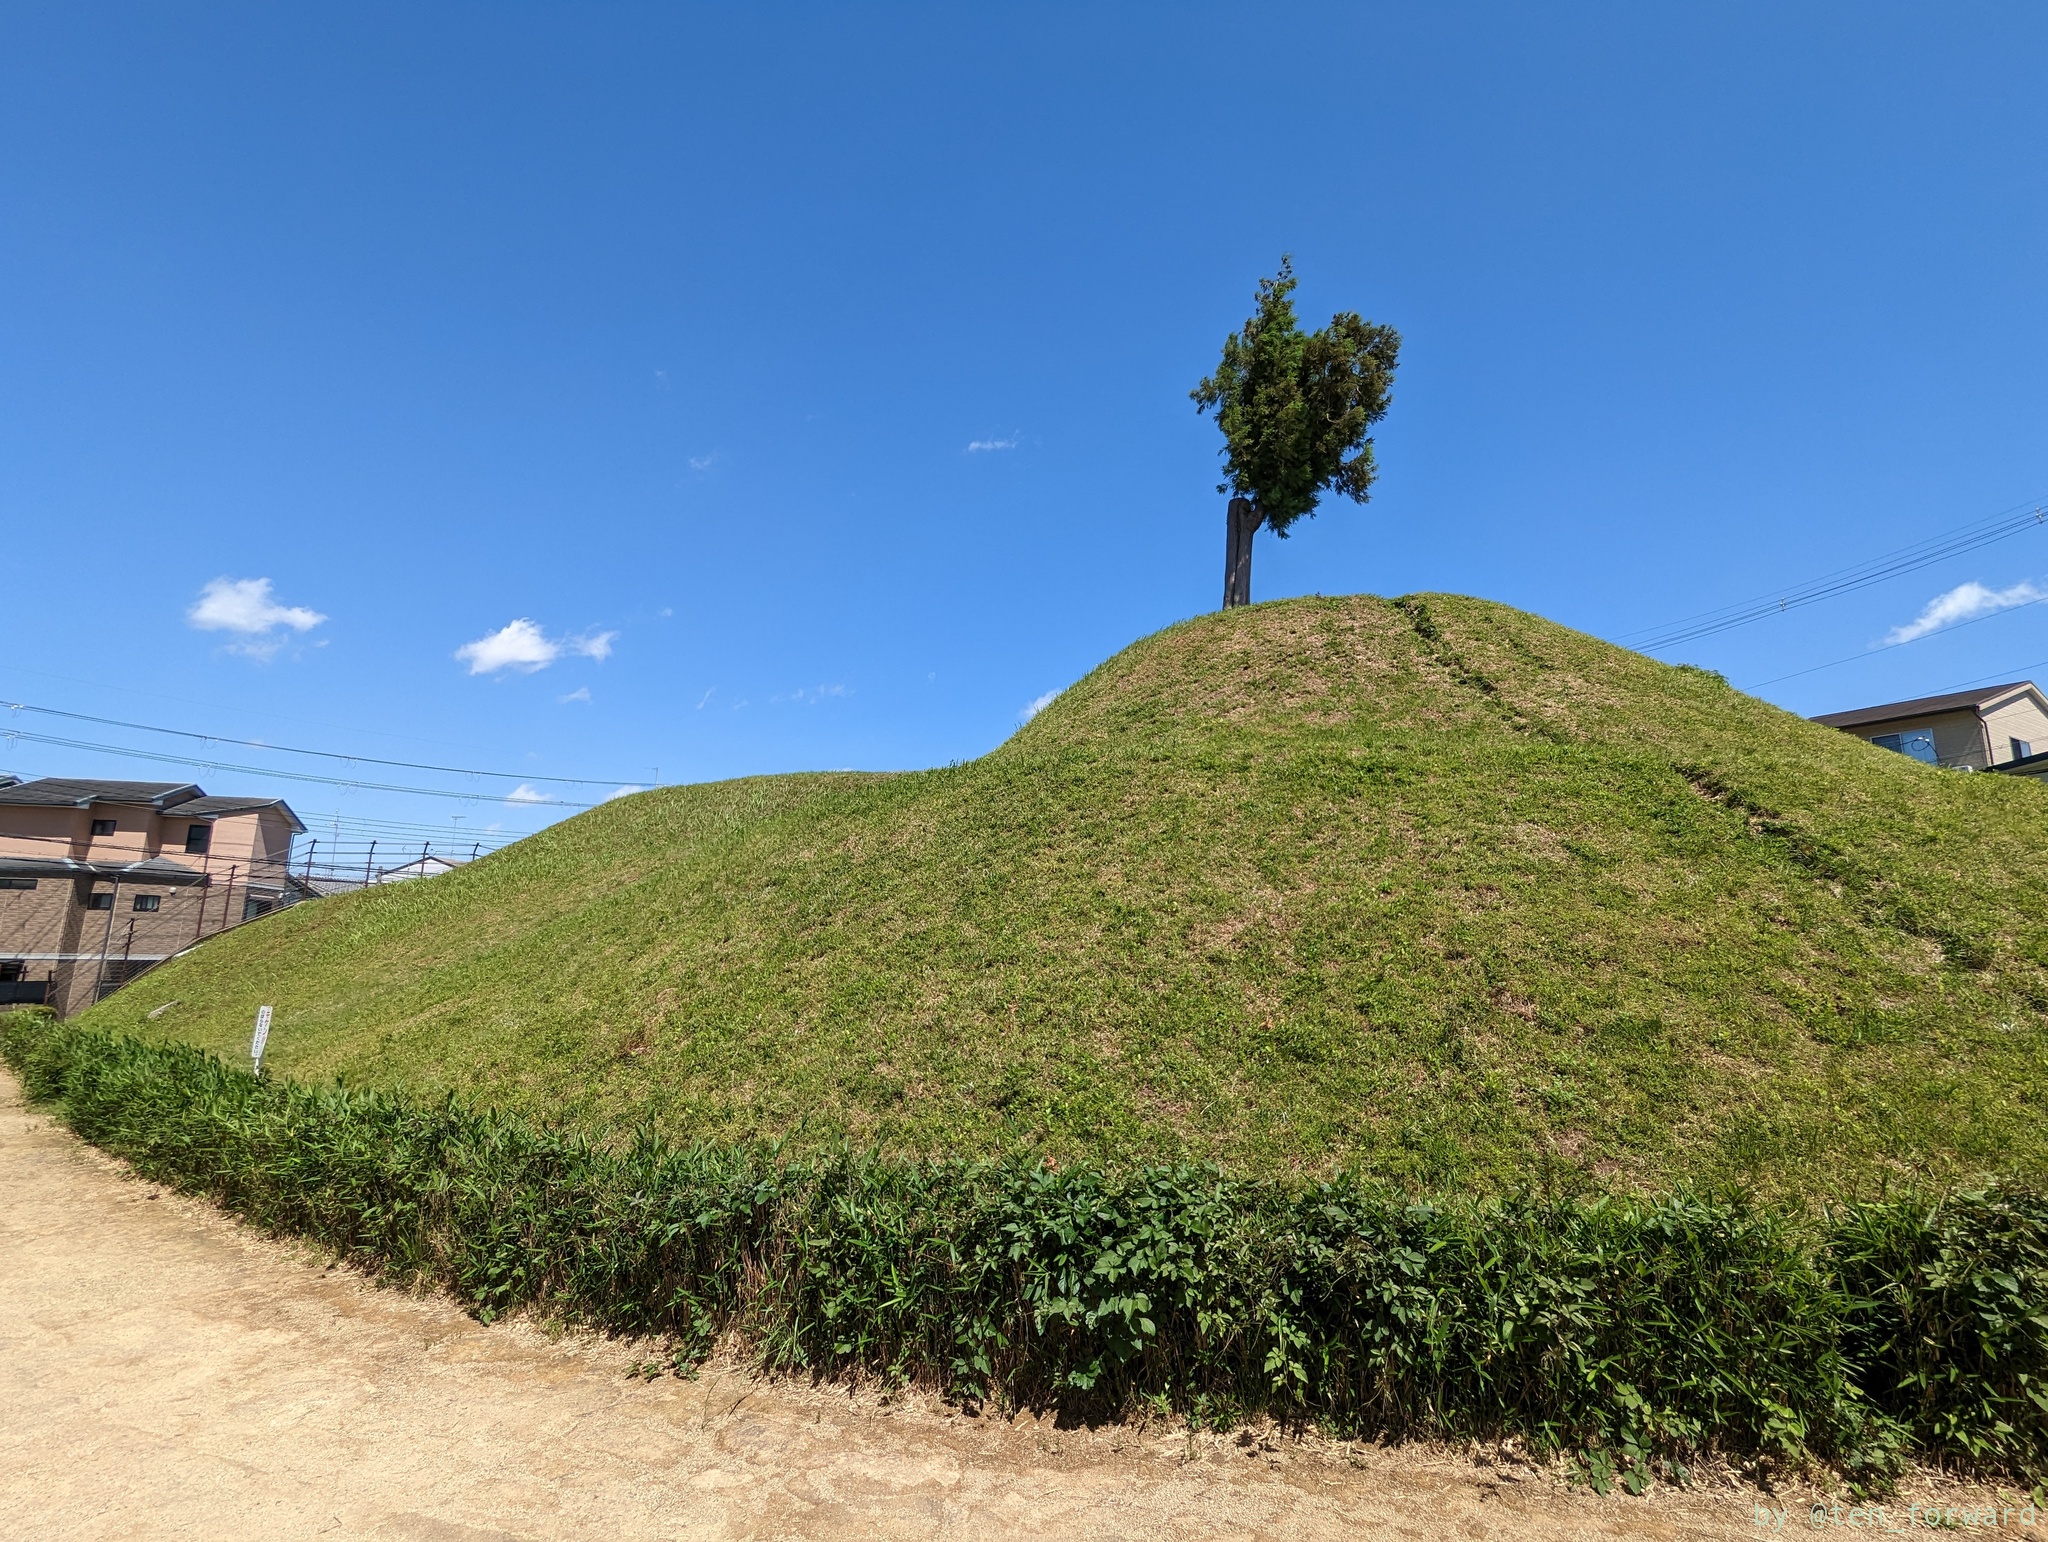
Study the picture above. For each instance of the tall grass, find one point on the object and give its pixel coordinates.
(1634, 1334)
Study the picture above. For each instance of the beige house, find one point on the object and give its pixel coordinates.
(1972, 730)
(99, 880)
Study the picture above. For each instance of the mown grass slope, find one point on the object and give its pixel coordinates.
(1426, 885)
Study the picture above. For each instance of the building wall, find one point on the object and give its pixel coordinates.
(1958, 736)
(2018, 717)
(43, 832)
(260, 840)
(54, 935)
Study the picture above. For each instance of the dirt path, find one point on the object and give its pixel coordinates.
(164, 1373)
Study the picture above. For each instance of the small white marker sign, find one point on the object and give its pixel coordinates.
(262, 1037)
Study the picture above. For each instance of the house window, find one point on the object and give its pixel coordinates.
(149, 901)
(103, 827)
(252, 907)
(10, 971)
(17, 883)
(2021, 749)
(99, 901)
(1916, 742)
(197, 839)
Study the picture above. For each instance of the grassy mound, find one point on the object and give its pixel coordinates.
(1429, 886)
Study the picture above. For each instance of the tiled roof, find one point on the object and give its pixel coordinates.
(66, 792)
(165, 797)
(213, 808)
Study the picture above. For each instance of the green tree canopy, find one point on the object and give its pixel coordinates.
(1295, 407)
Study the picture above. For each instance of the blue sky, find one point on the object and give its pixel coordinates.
(811, 382)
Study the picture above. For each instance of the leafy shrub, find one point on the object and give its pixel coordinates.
(1946, 1315)
(1633, 1332)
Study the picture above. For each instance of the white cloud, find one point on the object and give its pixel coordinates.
(623, 792)
(526, 794)
(519, 645)
(979, 446)
(1036, 705)
(807, 696)
(1965, 602)
(703, 462)
(581, 693)
(247, 607)
(523, 646)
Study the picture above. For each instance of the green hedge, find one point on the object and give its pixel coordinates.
(1632, 1334)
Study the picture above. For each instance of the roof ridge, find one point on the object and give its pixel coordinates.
(1919, 706)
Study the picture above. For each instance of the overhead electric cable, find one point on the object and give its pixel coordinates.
(9, 666)
(441, 830)
(292, 776)
(1902, 643)
(286, 749)
(1906, 559)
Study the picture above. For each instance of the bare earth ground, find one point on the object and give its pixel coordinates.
(165, 1372)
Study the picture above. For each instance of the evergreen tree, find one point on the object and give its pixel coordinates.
(1294, 408)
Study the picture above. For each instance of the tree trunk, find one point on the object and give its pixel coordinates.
(1241, 521)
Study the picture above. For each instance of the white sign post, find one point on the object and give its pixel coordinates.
(262, 1037)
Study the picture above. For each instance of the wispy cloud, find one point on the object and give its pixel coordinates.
(1036, 705)
(581, 693)
(807, 696)
(703, 462)
(982, 446)
(526, 794)
(246, 607)
(1965, 602)
(523, 646)
(623, 792)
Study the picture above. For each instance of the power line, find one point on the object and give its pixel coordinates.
(191, 701)
(1887, 647)
(2002, 675)
(292, 776)
(1906, 559)
(335, 818)
(286, 749)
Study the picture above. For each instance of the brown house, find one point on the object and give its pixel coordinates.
(99, 880)
(1977, 730)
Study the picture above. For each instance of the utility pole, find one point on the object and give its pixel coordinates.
(107, 940)
(205, 883)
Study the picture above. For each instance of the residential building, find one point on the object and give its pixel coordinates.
(1978, 730)
(2034, 765)
(99, 880)
(434, 865)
